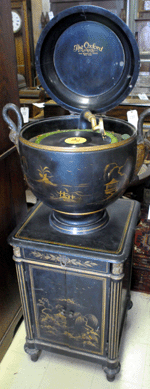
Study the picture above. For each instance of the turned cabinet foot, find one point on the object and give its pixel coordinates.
(111, 373)
(130, 305)
(110, 378)
(34, 353)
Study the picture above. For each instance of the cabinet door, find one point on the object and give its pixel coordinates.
(86, 311)
(49, 303)
(69, 308)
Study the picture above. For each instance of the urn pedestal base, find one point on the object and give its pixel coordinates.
(78, 225)
(75, 289)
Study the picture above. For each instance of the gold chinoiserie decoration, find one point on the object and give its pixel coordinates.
(140, 157)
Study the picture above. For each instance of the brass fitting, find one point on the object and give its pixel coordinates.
(92, 119)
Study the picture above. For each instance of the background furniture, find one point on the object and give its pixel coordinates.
(24, 40)
(12, 194)
(141, 255)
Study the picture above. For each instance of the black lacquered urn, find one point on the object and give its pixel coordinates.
(73, 253)
(88, 62)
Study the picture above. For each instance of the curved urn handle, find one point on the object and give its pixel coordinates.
(142, 143)
(14, 130)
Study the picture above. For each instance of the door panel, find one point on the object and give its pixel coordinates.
(49, 303)
(69, 307)
(86, 308)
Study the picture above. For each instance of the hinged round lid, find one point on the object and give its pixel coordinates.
(87, 58)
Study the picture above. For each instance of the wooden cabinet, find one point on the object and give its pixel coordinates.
(24, 40)
(75, 289)
(141, 254)
(12, 194)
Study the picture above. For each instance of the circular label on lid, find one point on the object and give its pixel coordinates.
(75, 140)
(88, 51)
(87, 59)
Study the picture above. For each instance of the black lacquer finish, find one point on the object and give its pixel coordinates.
(75, 290)
(77, 180)
(87, 58)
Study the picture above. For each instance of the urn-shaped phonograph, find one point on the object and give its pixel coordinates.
(87, 60)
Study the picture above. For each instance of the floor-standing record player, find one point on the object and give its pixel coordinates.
(74, 251)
